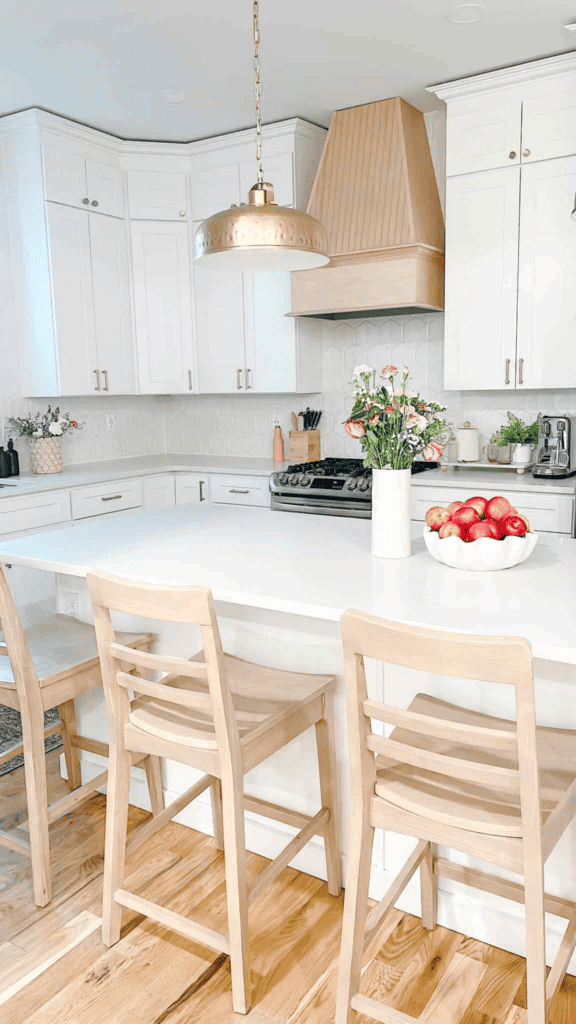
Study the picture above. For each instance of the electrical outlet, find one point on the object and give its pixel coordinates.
(71, 602)
(110, 421)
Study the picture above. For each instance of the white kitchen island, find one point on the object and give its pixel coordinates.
(281, 582)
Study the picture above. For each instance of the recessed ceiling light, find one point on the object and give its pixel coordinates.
(173, 96)
(465, 14)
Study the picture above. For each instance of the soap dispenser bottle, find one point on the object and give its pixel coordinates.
(5, 469)
(14, 459)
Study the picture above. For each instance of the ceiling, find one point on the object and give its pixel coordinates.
(108, 62)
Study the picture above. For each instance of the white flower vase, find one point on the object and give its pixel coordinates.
(46, 455)
(391, 513)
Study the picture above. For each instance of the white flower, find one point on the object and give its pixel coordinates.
(55, 429)
(415, 420)
(362, 368)
(405, 369)
(405, 392)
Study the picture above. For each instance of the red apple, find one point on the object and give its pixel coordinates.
(437, 515)
(514, 526)
(486, 528)
(451, 529)
(495, 527)
(455, 504)
(479, 504)
(465, 516)
(498, 508)
(527, 521)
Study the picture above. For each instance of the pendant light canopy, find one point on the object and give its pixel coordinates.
(260, 235)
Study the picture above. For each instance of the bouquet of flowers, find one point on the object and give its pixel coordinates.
(393, 424)
(51, 423)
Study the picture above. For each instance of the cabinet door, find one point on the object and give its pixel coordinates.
(547, 278)
(549, 127)
(271, 336)
(159, 492)
(112, 313)
(155, 195)
(163, 308)
(72, 297)
(219, 309)
(105, 188)
(482, 212)
(214, 189)
(483, 139)
(191, 488)
(278, 170)
(64, 176)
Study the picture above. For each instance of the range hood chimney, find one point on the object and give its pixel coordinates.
(375, 192)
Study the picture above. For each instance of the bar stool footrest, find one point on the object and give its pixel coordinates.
(383, 1014)
(170, 919)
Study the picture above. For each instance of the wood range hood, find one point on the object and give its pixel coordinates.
(375, 192)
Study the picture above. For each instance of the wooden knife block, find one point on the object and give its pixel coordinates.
(304, 445)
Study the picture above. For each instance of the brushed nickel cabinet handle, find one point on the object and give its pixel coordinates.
(105, 374)
(189, 380)
(239, 380)
(507, 377)
(112, 497)
(513, 155)
(94, 202)
(97, 385)
(237, 490)
(86, 201)
(201, 487)
(525, 152)
(248, 384)
(520, 371)
(573, 214)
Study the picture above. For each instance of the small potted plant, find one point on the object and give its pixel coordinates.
(45, 432)
(518, 438)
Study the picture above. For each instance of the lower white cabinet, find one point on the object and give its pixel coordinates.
(24, 514)
(240, 490)
(100, 499)
(192, 488)
(548, 513)
(159, 491)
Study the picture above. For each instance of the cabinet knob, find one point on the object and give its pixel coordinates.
(513, 155)
(525, 152)
(86, 201)
(94, 202)
(182, 213)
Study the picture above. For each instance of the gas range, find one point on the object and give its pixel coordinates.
(330, 487)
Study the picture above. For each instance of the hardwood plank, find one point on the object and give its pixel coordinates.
(495, 993)
(455, 992)
(425, 970)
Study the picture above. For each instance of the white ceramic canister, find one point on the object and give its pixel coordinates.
(468, 443)
(391, 513)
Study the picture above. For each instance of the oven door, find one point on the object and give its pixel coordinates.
(323, 506)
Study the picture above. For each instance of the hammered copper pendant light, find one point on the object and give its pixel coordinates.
(260, 235)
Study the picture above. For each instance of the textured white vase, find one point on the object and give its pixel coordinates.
(46, 455)
(522, 453)
(391, 513)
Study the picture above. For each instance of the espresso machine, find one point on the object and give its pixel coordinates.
(555, 454)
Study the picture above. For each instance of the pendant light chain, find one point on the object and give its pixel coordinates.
(257, 92)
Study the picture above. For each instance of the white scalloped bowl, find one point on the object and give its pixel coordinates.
(482, 554)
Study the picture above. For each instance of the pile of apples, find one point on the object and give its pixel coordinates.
(477, 517)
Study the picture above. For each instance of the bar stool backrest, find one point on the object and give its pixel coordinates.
(17, 650)
(207, 693)
(495, 659)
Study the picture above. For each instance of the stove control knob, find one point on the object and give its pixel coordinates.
(283, 478)
(305, 480)
(364, 484)
(352, 483)
(294, 479)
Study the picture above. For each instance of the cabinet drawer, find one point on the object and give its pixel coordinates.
(240, 490)
(19, 515)
(548, 512)
(103, 498)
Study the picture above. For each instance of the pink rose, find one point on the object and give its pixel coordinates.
(354, 429)
(374, 420)
(432, 452)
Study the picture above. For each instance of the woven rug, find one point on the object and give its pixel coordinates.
(11, 734)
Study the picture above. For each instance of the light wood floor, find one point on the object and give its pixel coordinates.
(54, 968)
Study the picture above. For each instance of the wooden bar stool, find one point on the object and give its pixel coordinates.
(499, 790)
(220, 715)
(43, 667)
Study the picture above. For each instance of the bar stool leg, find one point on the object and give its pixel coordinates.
(429, 890)
(216, 799)
(236, 891)
(153, 769)
(326, 743)
(535, 944)
(354, 922)
(118, 792)
(37, 801)
(67, 712)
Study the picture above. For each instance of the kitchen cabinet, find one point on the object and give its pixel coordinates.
(163, 307)
(549, 125)
(547, 512)
(92, 333)
(481, 140)
(192, 488)
(159, 491)
(99, 499)
(240, 490)
(482, 231)
(157, 195)
(82, 181)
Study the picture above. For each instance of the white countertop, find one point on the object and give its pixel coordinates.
(318, 566)
(497, 480)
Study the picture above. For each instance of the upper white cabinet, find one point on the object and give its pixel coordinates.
(157, 195)
(510, 235)
(75, 179)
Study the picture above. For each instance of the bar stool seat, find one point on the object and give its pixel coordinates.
(263, 698)
(454, 801)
